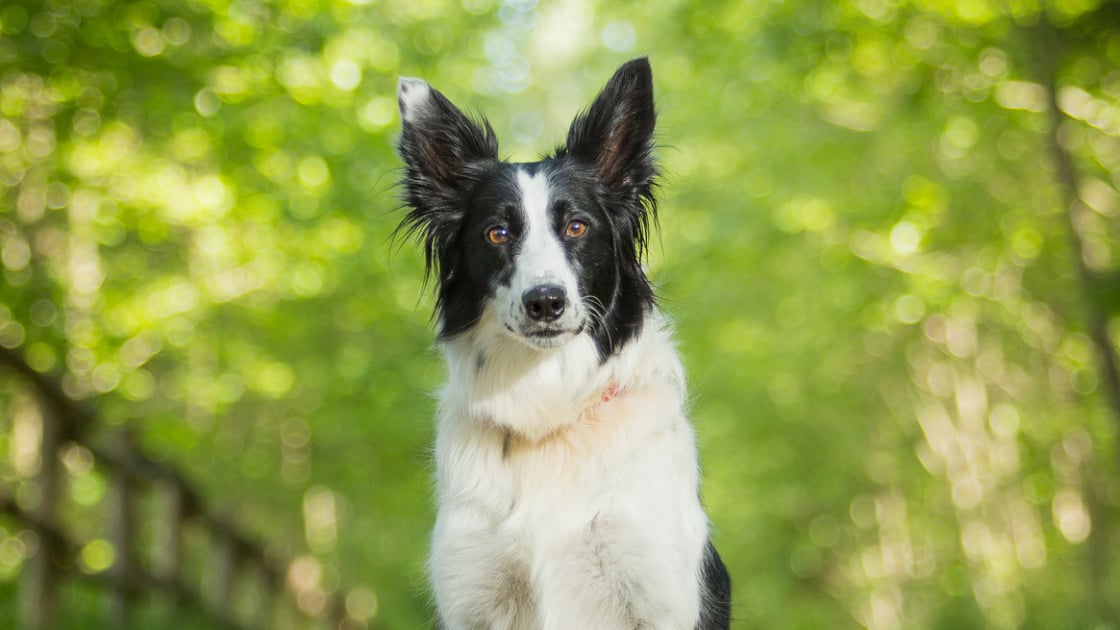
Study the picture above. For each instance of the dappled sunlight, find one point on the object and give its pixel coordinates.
(893, 299)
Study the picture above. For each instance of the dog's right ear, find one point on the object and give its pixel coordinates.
(440, 146)
(444, 153)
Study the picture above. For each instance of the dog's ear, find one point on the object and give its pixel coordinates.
(444, 152)
(441, 147)
(616, 133)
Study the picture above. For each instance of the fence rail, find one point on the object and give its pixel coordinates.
(236, 561)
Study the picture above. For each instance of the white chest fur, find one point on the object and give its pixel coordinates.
(568, 488)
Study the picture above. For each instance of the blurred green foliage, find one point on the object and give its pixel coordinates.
(863, 241)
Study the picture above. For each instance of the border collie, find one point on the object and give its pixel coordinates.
(566, 469)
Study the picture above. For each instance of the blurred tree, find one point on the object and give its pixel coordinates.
(867, 240)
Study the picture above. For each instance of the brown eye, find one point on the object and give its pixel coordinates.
(497, 234)
(576, 229)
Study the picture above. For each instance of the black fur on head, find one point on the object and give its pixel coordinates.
(456, 187)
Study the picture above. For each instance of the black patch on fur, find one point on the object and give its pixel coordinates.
(715, 592)
(447, 157)
(457, 188)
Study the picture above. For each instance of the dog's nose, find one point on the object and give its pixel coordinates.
(544, 302)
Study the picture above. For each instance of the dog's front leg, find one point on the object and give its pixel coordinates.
(615, 576)
(480, 581)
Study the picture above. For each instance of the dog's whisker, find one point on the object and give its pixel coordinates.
(598, 315)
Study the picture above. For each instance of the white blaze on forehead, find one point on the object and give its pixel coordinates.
(414, 96)
(534, 200)
(541, 257)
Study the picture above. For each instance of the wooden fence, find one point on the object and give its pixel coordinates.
(236, 569)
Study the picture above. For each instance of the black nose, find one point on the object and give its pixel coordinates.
(544, 302)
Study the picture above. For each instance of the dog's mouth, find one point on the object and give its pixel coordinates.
(547, 336)
(548, 333)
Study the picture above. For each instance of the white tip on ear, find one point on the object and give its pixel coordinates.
(414, 96)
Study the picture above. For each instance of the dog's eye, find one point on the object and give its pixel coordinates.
(498, 234)
(576, 229)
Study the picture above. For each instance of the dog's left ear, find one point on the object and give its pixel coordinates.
(616, 133)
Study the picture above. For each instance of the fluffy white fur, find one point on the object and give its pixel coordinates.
(563, 506)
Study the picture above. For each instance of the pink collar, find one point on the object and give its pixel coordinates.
(609, 393)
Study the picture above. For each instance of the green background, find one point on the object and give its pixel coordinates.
(881, 290)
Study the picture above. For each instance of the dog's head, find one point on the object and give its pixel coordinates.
(552, 249)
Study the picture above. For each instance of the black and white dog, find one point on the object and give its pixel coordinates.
(567, 474)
